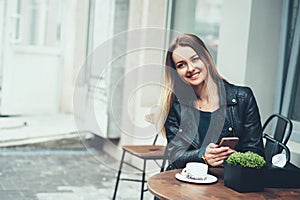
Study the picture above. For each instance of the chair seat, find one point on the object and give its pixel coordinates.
(146, 151)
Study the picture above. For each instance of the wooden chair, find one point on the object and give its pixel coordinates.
(146, 153)
(281, 134)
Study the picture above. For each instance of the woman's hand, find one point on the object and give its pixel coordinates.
(215, 155)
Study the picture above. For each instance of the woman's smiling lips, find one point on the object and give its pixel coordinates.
(194, 75)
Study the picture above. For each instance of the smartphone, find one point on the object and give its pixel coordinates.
(229, 142)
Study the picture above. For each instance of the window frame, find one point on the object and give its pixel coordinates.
(290, 79)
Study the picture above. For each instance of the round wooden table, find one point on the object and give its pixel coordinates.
(165, 186)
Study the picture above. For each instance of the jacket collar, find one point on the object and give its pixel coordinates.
(228, 93)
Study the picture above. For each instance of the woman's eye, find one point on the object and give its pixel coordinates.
(195, 59)
(180, 65)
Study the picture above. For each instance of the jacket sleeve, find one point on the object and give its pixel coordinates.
(251, 138)
(180, 150)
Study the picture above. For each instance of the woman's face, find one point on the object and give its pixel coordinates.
(189, 66)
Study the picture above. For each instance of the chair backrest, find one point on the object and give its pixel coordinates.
(155, 139)
(276, 142)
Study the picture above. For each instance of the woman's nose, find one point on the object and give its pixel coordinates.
(190, 67)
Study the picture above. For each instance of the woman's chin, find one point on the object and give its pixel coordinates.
(195, 82)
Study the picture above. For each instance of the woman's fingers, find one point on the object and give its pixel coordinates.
(216, 155)
(212, 145)
(219, 150)
(217, 163)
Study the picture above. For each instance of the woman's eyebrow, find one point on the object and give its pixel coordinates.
(180, 60)
(193, 56)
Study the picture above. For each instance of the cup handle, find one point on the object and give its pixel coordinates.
(184, 172)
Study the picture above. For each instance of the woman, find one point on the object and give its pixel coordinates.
(200, 107)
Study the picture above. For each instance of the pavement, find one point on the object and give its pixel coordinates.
(57, 164)
(61, 170)
(29, 129)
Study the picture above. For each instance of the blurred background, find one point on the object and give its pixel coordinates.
(50, 50)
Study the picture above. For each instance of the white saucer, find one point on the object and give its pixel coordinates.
(209, 179)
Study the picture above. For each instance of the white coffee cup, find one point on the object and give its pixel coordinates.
(195, 170)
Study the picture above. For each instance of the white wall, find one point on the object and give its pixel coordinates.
(234, 34)
(263, 50)
(74, 47)
(249, 46)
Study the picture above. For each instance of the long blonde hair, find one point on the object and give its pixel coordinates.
(170, 74)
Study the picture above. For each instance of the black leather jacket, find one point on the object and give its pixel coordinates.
(238, 116)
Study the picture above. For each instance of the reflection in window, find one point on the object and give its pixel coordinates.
(207, 23)
(38, 22)
(200, 17)
(295, 98)
(291, 67)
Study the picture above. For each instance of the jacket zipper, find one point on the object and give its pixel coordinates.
(231, 120)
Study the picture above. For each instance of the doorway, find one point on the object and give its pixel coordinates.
(31, 58)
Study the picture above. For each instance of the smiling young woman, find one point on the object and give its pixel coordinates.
(194, 72)
(199, 107)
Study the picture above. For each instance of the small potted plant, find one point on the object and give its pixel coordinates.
(243, 172)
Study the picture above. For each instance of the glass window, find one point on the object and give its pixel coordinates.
(200, 17)
(207, 23)
(291, 73)
(38, 22)
(293, 28)
(294, 111)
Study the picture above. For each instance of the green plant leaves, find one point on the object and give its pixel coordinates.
(247, 159)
